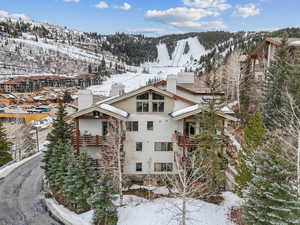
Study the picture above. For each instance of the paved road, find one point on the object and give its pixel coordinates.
(21, 198)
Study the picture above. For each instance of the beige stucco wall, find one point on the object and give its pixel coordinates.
(129, 105)
(164, 127)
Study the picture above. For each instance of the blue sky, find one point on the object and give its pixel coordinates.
(158, 17)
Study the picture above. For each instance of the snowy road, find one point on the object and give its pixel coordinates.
(20, 196)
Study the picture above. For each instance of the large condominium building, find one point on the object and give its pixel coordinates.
(159, 120)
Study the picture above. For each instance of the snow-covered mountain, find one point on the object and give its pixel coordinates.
(180, 57)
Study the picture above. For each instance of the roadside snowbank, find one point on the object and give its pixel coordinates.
(161, 211)
(8, 169)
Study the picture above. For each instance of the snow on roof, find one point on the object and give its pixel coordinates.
(192, 108)
(294, 43)
(226, 109)
(115, 110)
(185, 110)
(106, 99)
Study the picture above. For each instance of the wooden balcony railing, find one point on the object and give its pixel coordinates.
(186, 141)
(87, 141)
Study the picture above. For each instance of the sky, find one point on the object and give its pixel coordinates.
(158, 17)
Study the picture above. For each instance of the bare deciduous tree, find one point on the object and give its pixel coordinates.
(114, 155)
(189, 181)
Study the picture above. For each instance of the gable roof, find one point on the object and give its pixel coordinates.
(195, 109)
(190, 90)
(142, 90)
(103, 108)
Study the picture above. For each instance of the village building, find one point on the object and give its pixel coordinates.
(262, 56)
(160, 121)
(23, 84)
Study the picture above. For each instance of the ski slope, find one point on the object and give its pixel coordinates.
(163, 57)
(133, 81)
(179, 58)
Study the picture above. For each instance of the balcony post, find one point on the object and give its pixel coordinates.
(97, 140)
(77, 136)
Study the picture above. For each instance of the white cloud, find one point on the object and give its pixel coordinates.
(246, 11)
(126, 6)
(102, 5)
(195, 25)
(147, 31)
(72, 1)
(178, 15)
(208, 4)
(14, 15)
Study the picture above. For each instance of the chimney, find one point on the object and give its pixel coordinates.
(85, 99)
(171, 83)
(117, 89)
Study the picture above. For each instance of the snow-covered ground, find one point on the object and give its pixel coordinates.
(161, 211)
(4, 171)
(134, 81)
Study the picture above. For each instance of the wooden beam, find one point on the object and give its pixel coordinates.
(77, 136)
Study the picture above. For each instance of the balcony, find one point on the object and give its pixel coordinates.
(87, 141)
(186, 141)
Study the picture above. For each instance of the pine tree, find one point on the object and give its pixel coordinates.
(103, 64)
(253, 136)
(212, 140)
(85, 181)
(245, 93)
(67, 98)
(254, 130)
(78, 183)
(5, 155)
(293, 81)
(105, 212)
(69, 189)
(275, 84)
(60, 133)
(57, 165)
(272, 197)
(90, 69)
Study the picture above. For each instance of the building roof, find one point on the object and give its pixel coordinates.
(277, 41)
(189, 88)
(195, 109)
(294, 42)
(103, 108)
(83, 76)
(139, 91)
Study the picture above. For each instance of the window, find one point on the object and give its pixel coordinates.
(163, 167)
(104, 128)
(138, 167)
(163, 146)
(158, 106)
(157, 96)
(149, 125)
(132, 125)
(96, 113)
(142, 107)
(139, 146)
(144, 96)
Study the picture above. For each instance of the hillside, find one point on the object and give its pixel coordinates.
(29, 47)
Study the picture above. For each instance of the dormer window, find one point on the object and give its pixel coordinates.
(144, 96)
(142, 107)
(157, 96)
(142, 104)
(150, 102)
